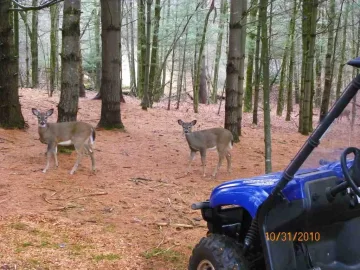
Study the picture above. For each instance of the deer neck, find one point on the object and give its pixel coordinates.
(42, 132)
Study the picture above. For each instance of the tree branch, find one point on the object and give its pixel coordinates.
(26, 8)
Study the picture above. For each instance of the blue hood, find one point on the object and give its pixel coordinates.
(250, 193)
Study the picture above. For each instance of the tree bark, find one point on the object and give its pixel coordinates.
(266, 84)
(198, 65)
(224, 8)
(250, 64)
(154, 52)
(232, 70)
(241, 78)
(110, 80)
(54, 18)
(328, 70)
(34, 47)
(342, 55)
(70, 58)
(289, 107)
(10, 109)
(310, 7)
(257, 71)
(145, 103)
(141, 48)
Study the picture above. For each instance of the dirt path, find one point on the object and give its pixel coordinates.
(109, 220)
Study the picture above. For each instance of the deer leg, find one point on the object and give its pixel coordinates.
(50, 150)
(203, 160)
(89, 149)
(221, 157)
(55, 157)
(192, 156)
(228, 159)
(79, 150)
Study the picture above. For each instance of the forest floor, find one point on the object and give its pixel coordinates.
(134, 212)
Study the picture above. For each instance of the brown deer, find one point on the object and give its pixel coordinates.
(209, 139)
(79, 134)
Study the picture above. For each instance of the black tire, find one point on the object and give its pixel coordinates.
(219, 250)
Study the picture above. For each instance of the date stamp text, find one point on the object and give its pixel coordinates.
(293, 236)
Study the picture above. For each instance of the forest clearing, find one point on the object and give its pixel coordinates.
(109, 220)
(123, 82)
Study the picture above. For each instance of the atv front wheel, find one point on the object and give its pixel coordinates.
(217, 252)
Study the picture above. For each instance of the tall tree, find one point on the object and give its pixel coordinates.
(145, 103)
(241, 78)
(342, 55)
(141, 47)
(54, 18)
(10, 109)
(309, 35)
(257, 71)
(284, 65)
(224, 8)
(110, 79)
(266, 83)
(34, 47)
(291, 76)
(232, 70)
(328, 69)
(250, 64)
(154, 51)
(70, 58)
(199, 59)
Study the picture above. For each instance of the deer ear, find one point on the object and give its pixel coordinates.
(180, 122)
(193, 122)
(49, 112)
(35, 111)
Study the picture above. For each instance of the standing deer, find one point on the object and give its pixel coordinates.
(209, 139)
(80, 134)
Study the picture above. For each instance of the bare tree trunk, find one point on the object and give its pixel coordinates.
(27, 53)
(141, 48)
(318, 68)
(250, 64)
(10, 109)
(97, 47)
(328, 76)
(34, 47)
(266, 84)
(171, 78)
(122, 100)
(289, 107)
(342, 51)
(310, 7)
(82, 92)
(202, 85)
(54, 17)
(16, 40)
(257, 72)
(130, 36)
(198, 69)
(241, 78)
(110, 80)
(182, 72)
(232, 70)
(145, 103)
(284, 64)
(154, 52)
(70, 58)
(224, 8)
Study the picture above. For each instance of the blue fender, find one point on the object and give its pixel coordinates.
(250, 193)
(249, 198)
